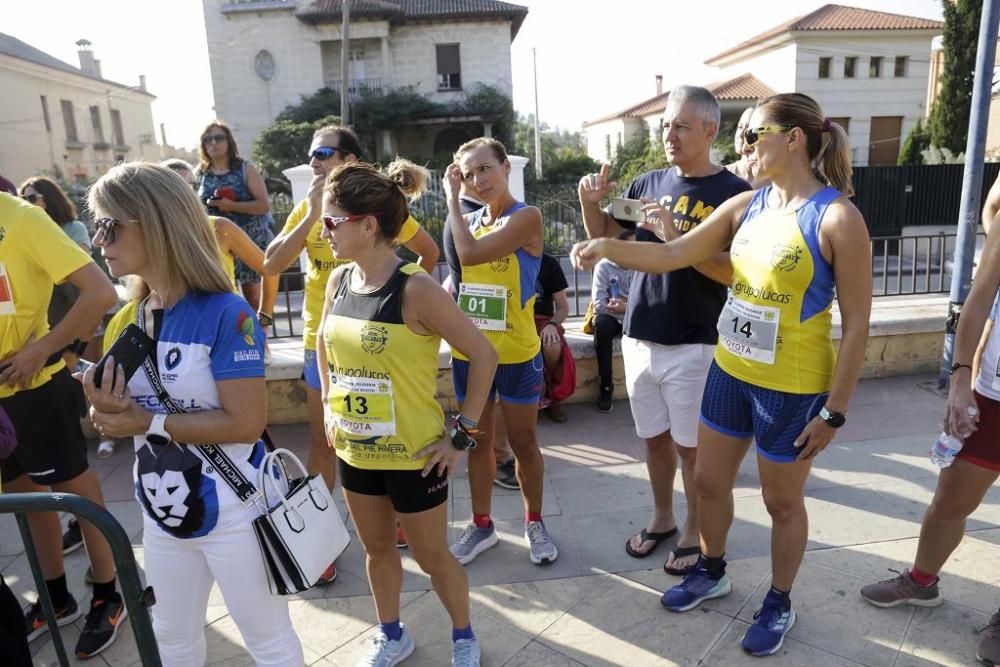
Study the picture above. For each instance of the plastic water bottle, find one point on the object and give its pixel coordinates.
(947, 447)
(613, 290)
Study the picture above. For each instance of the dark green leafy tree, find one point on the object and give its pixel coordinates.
(917, 141)
(636, 157)
(949, 120)
(286, 141)
(285, 144)
(564, 153)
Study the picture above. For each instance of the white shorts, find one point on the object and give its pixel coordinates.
(665, 384)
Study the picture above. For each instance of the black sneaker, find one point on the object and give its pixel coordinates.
(604, 402)
(72, 538)
(101, 627)
(506, 475)
(34, 618)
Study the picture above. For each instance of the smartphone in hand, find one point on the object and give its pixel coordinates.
(129, 351)
(627, 209)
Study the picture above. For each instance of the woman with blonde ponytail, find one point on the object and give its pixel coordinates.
(382, 324)
(776, 378)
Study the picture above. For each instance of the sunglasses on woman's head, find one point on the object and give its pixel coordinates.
(214, 138)
(752, 135)
(31, 198)
(105, 229)
(324, 153)
(331, 222)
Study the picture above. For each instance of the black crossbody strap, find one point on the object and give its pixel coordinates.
(213, 454)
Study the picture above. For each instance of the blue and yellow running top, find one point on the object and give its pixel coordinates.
(774, 331)
(499, 296)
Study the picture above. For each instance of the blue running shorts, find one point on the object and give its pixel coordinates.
(515, 383)
(774, 418)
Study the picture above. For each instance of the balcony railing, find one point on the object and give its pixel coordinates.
(357, 87)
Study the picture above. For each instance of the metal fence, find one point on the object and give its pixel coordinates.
(901, 265)
(137, 600)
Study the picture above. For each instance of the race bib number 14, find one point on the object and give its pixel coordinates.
(749, 331)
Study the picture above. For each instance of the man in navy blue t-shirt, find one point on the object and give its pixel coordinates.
(670, 319)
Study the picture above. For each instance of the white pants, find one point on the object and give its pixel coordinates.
(665, 384)
(182, 572)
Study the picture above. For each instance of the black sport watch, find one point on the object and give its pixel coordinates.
(832, 419)
(461, 439)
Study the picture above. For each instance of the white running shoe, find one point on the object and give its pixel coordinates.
(542, 550)
(385, 652)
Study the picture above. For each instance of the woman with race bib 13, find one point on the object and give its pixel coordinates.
(383, 321)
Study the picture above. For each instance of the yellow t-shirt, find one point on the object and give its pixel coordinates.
(228, 265)
(35, 254)
(321, 265)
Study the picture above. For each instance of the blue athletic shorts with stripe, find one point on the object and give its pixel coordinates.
(310, 370)
(515, 383)
(774, 418)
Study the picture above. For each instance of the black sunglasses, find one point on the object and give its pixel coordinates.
(324, 153)
(216, 138)
(32, 198)
(105, 228)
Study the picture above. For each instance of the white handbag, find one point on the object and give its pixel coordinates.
(303, 533)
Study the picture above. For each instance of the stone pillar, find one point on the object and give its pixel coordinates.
(387, 146)
(516, 181)
(386, 64)
(300, 177)
(488, 130)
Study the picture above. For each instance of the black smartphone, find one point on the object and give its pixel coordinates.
(129, 352)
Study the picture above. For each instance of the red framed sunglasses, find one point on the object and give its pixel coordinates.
(331, 222)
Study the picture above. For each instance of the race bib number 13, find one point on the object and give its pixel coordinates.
(362, 406)
(485, 305)
(749, 331)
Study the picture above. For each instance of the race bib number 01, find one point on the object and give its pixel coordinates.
(6, 293)
(485, 305)
(362, 406)
(749, 331)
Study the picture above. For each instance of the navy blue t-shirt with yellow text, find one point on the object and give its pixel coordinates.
(681, 307)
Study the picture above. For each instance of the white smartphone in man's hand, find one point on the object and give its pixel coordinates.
(627, 209)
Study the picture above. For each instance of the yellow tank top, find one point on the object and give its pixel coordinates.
(228, 265)
(321, 264)
(383, 377)
(774, 331)
(499, 296)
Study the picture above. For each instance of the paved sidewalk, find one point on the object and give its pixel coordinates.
(598, 606)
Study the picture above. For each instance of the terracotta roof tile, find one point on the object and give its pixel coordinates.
(836, 17)
(744, 87)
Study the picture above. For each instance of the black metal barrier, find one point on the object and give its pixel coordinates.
(136, 599)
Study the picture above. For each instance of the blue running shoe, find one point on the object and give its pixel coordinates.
(697, 587)
(772, 622)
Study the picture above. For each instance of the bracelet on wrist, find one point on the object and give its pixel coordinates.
(265, 319)
(954, 368)
(467, 423)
